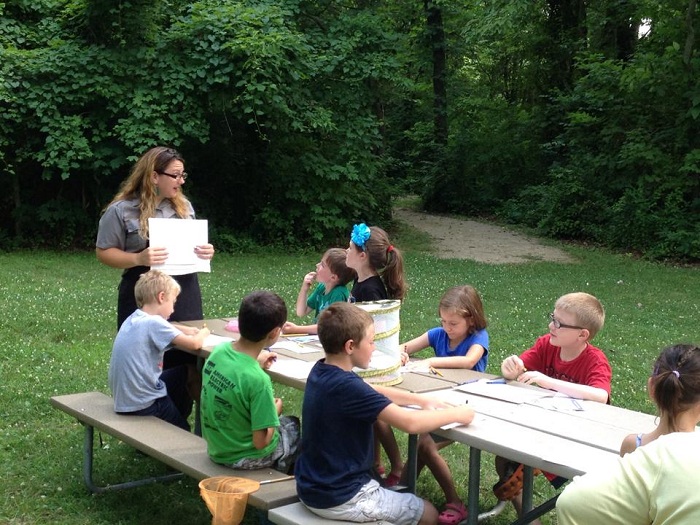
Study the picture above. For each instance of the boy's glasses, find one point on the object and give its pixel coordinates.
(558, 324)
(182, 175)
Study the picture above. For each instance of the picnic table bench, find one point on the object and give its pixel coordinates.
(181, 450)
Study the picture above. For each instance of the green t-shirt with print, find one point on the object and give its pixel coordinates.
(237, 398)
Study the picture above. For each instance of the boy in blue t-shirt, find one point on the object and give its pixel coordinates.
(138, 382)
(334, 470)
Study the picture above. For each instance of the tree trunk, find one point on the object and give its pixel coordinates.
(690, 33)
(567, 30)
(436, 34)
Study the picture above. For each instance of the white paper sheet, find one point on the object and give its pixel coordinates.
(293, 346)
(180, 237)
(294, 368)
(560, 403)
(213, 340)
(499, 390)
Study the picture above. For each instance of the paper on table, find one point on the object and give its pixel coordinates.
(180, 237)
(294, 347)
(416, 366)
(303, 338)
(559, 403)
(294, 368)
(213, 340)
(503, 391)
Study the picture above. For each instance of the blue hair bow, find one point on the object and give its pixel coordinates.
(360, 234)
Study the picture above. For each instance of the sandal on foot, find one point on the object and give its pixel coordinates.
(391, 481)
(512, 483)
(453, 514)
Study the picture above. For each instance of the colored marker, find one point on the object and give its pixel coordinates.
(500, 381)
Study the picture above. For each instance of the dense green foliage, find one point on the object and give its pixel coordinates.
(272, 104)
(576, 126)
(308, 115)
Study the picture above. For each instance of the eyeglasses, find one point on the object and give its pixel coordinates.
(182, 175)
(558, 324)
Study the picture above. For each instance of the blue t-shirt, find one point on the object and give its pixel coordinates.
(437, 337)
(137, 361)
(337, 447)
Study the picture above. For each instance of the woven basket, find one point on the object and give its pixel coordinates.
(226, 498)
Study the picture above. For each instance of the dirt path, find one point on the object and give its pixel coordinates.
(479, 241)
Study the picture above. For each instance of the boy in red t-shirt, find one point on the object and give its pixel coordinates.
(563, 360)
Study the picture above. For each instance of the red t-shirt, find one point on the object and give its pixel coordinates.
(590, 368)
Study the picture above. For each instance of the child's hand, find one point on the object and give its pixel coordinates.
(465, 415)
(267, 358)
(290, 328)
(404, 358)
(512, 367)
(432, 403)
(532, 378)
(309, 278)
(278, 405)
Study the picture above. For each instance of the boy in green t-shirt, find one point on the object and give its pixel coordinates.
(241, 419)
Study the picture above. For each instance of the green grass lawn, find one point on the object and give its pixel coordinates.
(57, 321)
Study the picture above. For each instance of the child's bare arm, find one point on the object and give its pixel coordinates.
(421, 421)
(414, 345)
(262, 438)
(565, 387)
(191, 342)
(629, 444)
(292, 328)
(301, 308)
(185, 329)
(467, 361)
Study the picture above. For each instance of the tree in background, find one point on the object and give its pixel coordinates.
(308, 115)
(567, 121)
(272, 102)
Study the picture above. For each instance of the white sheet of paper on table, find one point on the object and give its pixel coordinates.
(293, 346)
(213, 340)
(303, 338)
(180, 238)
(503, 391)
(558, 402)
(294, 368)
(416, 366)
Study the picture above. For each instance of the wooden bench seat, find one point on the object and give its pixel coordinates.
(181, 450)
(298, 514)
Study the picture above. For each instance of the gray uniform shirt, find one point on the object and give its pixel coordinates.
(137, 361)
(119, 225)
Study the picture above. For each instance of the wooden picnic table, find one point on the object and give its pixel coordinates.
(523, 423)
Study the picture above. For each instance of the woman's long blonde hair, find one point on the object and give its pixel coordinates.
(139, 184)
